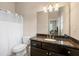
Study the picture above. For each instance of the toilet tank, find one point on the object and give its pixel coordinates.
(26, 40)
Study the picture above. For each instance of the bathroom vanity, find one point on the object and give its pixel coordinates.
(59, 46)
(55, 24)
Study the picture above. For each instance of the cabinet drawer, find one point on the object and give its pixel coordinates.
(54, 54)
(49, 46)
(35, 44)
(38, 52)
(54, 47)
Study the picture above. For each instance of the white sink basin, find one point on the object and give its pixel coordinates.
(50, 39)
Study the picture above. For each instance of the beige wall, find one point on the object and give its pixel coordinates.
(29, 15)
(42, 23)
(75, 20)
(66, 19)
(29, 11)
(8, 6)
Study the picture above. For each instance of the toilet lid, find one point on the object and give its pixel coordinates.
(19, 48)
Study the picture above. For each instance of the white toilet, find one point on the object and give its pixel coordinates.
(21, 49)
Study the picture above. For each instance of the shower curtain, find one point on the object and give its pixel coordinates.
(11, 31)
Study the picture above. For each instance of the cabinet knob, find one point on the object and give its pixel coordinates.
(69, 52)
(47, 53)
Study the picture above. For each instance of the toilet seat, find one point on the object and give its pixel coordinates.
(19, 48)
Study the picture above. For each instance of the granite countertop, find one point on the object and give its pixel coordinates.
(60, 41)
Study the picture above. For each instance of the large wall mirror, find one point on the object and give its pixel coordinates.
(56, 22)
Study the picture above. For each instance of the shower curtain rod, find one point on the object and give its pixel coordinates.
(10, 12)
(7, 11)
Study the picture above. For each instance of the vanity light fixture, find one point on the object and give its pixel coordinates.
(51, 7)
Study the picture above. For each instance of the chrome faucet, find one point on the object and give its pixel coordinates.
(51, 36)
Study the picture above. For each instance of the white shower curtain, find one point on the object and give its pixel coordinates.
(11, 32)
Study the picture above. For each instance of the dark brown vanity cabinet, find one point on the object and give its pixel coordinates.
(39, 48)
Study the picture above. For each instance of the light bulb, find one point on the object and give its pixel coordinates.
(56, 7)
(50, 8)
(45, 9)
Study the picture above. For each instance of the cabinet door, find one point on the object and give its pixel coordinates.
(38, 52)
(73, 52)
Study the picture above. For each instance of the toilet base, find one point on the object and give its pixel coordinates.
(21, 53)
